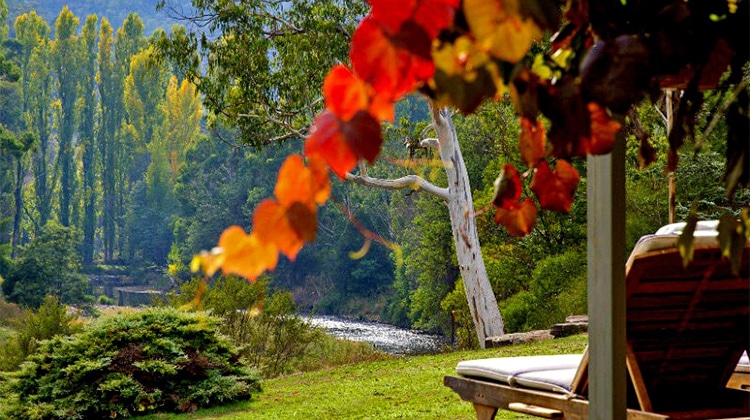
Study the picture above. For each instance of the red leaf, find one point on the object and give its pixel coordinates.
(363, 135)
(507, 188)
(603, 131)
(303, 220)
(532, 141)
(432, 15)
(386, 63)
(519, 219)
(555, 190)
(327, 142)
(345, 93)
(341, 144)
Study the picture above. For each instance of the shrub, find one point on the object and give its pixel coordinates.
(48, 265)
(32, 327)
(272, 339)
(159, 359)
(455, 302)
(558, 289)
(277, 336)
(8, 311)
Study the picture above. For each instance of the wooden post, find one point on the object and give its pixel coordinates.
(672, 189)
(606, 283)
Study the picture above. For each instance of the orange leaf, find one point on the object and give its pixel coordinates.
(246, 255)
(532, 141)
(344, 92)
(518, 220)
(294, 183)
(555, 190)
(500, 29)
(603, 131)
(272, 225)
(321, 182)
(394, 66)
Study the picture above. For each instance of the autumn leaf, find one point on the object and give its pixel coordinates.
(326, 142)
(603, 131)
(238, 253)
(321, 182)
(519, 219)
(464, 75)
(507, 187)
(432, 15)
(685, 241)
(500, 29)
(294, 183)
(392, 65)
(342, 143)
(555, 189)
(274, 224)
(345, 94)
(532, 141)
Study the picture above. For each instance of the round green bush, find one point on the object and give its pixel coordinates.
(159, 359)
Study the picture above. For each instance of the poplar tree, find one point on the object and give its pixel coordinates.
(87, 135)
(32, 32)
(65, 59)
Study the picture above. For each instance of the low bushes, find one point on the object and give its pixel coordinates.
(154, 360)
(29, 327)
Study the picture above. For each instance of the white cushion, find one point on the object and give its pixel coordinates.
(507, 369)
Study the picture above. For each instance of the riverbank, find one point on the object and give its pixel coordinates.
(407, 387)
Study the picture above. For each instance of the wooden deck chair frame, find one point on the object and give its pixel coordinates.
(686, 330)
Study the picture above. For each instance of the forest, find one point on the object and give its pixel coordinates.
(114, 161)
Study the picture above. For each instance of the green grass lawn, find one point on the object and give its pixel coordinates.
(402, 388)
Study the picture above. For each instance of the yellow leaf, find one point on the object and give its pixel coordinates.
(500, 29)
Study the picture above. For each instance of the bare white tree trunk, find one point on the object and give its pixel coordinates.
(479, 294)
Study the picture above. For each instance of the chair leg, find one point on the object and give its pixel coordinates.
(485, 412)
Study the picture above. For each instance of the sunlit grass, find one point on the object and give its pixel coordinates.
(407, 387)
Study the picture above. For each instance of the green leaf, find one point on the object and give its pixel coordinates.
(685, 241)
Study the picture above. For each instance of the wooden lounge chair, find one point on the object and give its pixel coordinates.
(687, 329)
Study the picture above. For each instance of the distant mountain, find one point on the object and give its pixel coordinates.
(114, 10)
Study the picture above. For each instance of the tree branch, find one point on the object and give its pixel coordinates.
(413, 182)
(430, 143)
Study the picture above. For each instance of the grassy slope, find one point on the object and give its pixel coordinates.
(408, 388)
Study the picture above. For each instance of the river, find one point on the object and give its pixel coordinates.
(385, 337)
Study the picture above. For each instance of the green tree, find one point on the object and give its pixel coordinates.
(87, 134)
(18, 147)
(183, 113)
(48, 265)
(108, 124)
(267, 95)
(66, 59)
(291, 48)
(32, 32)
(143, 96)
(129, 40)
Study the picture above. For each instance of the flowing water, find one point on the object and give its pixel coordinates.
(385, 337)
